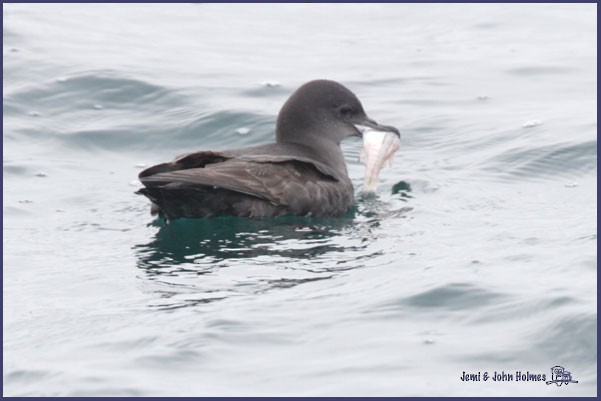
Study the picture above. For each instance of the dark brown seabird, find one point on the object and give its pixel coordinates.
(303, 173)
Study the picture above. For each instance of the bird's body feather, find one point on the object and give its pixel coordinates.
(246, 183)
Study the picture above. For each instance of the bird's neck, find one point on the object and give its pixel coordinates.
(324, 151)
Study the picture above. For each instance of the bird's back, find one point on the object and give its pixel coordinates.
(255, 182)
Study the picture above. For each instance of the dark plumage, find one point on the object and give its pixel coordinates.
(303, 173)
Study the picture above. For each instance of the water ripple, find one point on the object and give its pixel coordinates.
(557, 160)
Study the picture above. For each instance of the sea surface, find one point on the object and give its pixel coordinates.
(478, 254)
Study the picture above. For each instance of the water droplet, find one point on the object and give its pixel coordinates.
(134, 183)
(532, 123)
(572, 185)
(243, 131)
(34, 114)
(41, 174)
(14, 50)
(60, 211)
(25, 201)
(428, 341)
(61, 80)
(98, 107)
(482, 97)
(140, 165)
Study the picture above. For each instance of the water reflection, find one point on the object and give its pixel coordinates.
(190, 262)
(188, 241)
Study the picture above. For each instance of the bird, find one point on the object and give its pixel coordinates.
(302, 173)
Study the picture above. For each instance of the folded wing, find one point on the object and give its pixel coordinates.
(213, 183)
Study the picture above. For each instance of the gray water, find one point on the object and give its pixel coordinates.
(478, 254)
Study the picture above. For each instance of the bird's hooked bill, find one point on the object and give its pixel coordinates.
(368, 124)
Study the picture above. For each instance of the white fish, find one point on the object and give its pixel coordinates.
(379, 147)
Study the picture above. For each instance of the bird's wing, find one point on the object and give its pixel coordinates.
(292, 183)
(320, 167)
(203, 158)
(186, 161)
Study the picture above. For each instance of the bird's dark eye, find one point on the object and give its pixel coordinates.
(346, 110)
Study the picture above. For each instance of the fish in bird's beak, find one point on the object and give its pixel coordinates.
(380, 143)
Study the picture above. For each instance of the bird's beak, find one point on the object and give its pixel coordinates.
(367, 123)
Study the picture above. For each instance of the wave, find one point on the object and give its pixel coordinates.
(561, 160)
(105, 110)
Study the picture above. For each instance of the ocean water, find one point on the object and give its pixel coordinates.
(478, 254)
